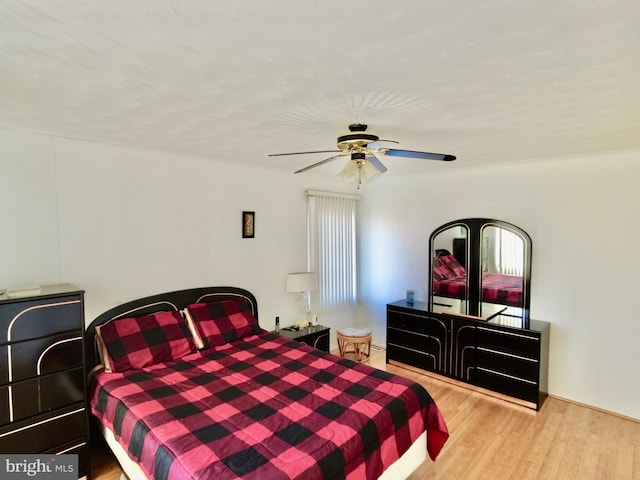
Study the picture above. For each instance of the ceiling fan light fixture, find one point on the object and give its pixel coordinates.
(359, 169)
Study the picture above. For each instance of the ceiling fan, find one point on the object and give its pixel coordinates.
(364, 164)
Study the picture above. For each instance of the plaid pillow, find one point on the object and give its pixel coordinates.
(440, 270)
(452, 264)
(222, 322)
(134, 343)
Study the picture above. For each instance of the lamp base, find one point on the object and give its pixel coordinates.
(304, 315)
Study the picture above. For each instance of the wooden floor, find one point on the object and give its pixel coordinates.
(493, 439)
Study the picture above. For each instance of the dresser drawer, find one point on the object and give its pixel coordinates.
(416, 358)
(41, 394)
(319, 341)
(27, 359)
(407, 321)
(44, 432)
(78, 447)
(521, 367)
(316, 336)
(520, 344)
(507, 385)
(411, 339)
(39, 318)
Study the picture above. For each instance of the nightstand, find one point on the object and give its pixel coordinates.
(316, 336)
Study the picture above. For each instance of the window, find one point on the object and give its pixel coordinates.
(510, 249)
(331, 237)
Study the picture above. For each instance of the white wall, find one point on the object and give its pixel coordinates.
(582, 216)
(123, 223)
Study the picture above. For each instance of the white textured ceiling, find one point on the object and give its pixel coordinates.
(492, 81)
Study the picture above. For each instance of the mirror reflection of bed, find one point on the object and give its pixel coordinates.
(495, 252)
(450, 280)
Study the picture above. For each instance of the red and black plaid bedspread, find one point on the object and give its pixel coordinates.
(265, 408)
(504, 289)
(496, 288)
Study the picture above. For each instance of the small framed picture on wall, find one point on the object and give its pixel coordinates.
(248, 224)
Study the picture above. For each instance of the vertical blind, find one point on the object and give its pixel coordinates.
(331, 224)
(511, 253)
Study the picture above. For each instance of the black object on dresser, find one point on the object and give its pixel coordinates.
(316, 336)
(503, 354)
(460, 250)
(42, 386)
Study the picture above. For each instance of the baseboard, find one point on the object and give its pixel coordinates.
(598, 409)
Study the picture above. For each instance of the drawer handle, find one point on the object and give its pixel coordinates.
(414, 350)
(508, 376)
(82, 444)
(409, 331)
(53, 345)
(532, 360)
(528, 337)
(315, 343)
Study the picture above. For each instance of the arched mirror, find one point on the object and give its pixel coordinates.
(480, 268)
(449, 261)
(503, 253)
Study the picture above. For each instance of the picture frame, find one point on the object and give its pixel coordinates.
(248, 224)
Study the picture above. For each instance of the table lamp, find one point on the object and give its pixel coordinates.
(302, 283)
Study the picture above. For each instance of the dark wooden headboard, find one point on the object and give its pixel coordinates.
(162, 302)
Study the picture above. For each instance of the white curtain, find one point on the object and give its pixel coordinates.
(331, 222)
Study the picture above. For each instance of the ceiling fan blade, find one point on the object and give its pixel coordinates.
(326, 160)
(302, 153)
(392, 152)
(377, 163)
(378, 144)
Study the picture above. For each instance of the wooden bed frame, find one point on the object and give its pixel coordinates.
(178, 300)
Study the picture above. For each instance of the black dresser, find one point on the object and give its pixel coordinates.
(504, 354)
(42, 385)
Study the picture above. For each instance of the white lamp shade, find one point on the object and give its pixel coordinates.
(301, 282)
(367, 171)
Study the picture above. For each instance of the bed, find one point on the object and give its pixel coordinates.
(219, 397)
(450, 280)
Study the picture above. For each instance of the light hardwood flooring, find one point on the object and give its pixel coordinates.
(493, 439)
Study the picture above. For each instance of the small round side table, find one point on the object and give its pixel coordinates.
(355, 340)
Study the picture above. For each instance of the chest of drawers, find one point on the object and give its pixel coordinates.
(42, 374)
